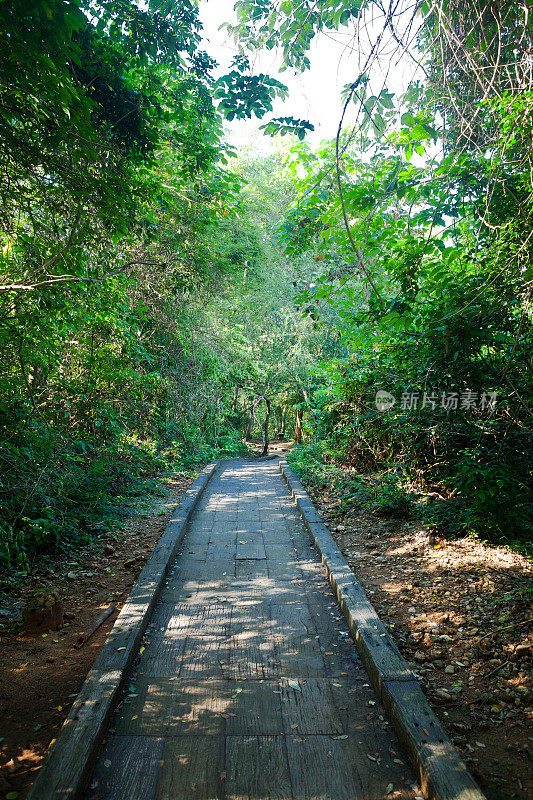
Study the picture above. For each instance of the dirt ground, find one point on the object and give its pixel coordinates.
(460, 612)
(40, 675)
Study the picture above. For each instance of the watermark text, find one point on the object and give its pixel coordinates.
(448, 401)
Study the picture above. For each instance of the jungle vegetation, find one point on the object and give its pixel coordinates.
(164, 297)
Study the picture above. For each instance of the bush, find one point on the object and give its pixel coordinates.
(382, 494)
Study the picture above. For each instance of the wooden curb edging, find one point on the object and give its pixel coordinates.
(71, 758)
(443, 774)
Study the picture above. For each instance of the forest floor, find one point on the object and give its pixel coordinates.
(460, 612)
(41, 674)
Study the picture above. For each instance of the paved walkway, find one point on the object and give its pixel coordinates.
(247, 685)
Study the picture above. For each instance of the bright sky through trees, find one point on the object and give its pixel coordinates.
(314, 95)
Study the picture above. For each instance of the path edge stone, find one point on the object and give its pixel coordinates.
(69, 762)
(442, 773)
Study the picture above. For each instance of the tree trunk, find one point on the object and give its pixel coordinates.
(266, 441)
(250, 427)
(298, 429)
(283, 421)
(303, 391)
(276, 410)
(249, 424)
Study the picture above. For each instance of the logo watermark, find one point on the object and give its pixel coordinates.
(384, 400)
(448, 401)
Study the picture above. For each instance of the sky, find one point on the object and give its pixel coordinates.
(314, 95)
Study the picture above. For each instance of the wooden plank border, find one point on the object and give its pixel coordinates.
(442, 773)
(71, 758)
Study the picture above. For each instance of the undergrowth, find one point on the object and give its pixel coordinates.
(388, 492)
(382, 493)
(65, 495)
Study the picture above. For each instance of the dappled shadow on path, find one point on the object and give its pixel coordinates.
(246, 683)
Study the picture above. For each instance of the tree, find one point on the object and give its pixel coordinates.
(425, 261)
(113, 179)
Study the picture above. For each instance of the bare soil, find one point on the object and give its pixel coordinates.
(460, 612)
(41, 674)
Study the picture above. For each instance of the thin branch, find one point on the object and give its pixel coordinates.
(21, 287)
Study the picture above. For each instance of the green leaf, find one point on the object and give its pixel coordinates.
(420, 132)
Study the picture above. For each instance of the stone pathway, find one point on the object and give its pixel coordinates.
(247, 685)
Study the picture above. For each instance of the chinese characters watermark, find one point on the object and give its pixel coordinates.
(448, 401)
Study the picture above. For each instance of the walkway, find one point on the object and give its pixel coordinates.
(247, 685)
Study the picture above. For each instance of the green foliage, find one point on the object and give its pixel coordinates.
(291, 25)
(384, 494)
(285, 125)
(420, 220)
(120, 224)
(308, 462)
(156, 294)
(242, 94)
